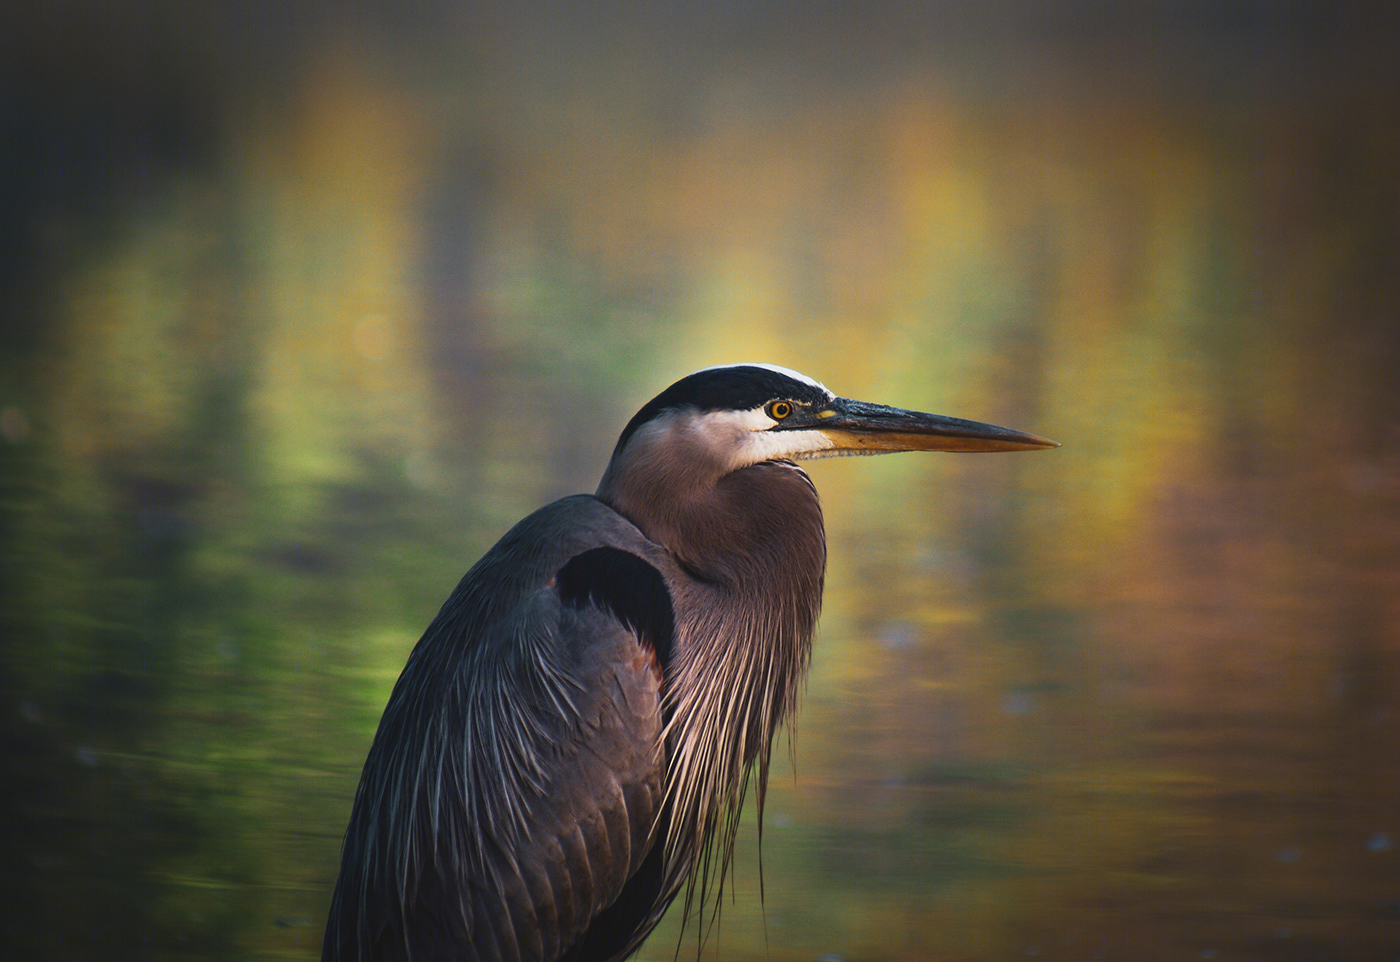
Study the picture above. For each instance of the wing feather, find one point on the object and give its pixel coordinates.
(515, 782)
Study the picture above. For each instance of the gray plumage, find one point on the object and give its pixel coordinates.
(570, 743)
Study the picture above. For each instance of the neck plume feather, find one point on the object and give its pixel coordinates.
(755, 546)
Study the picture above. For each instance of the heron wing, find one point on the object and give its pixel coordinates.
(509, 802)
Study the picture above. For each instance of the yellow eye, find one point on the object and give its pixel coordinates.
(779, 410)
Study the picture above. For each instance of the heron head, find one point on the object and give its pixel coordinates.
(730, 417)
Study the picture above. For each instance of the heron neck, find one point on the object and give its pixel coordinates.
(756, 532)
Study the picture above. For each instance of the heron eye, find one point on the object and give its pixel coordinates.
(779, 410)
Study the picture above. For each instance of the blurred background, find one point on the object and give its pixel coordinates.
(305, 304)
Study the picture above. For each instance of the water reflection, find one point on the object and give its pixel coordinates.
(1133, 699)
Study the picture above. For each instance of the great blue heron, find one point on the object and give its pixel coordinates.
(573, 736)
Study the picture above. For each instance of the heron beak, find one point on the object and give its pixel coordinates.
(857, 427)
